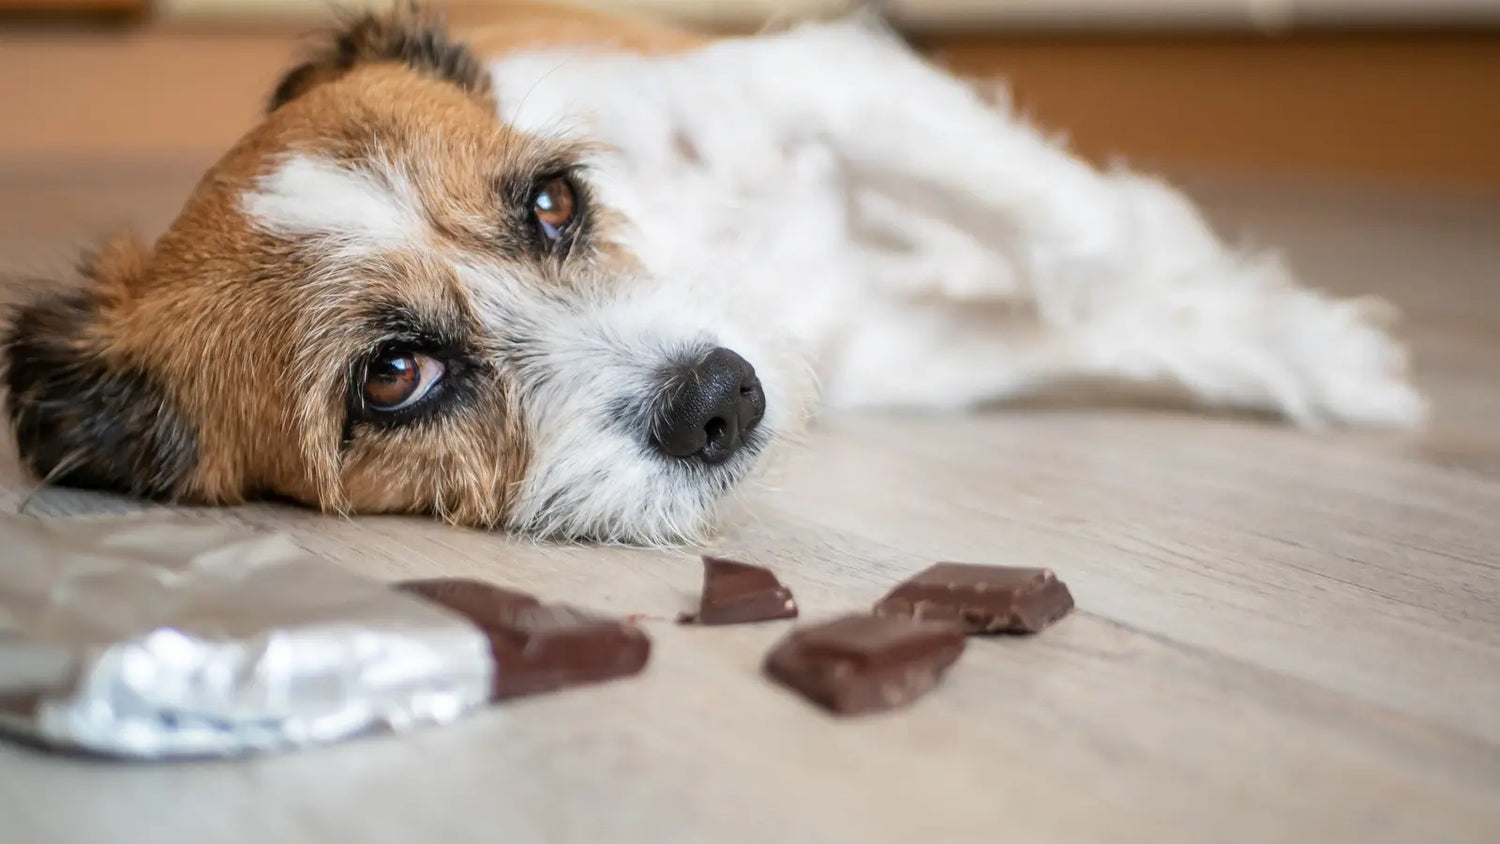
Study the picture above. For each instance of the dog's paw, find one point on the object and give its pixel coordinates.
(1345, 365)
(1246, 336)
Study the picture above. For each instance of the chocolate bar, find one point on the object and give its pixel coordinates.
(539, 647)
(272, 647)
(984, 599)
(737, 593)
(861, 663)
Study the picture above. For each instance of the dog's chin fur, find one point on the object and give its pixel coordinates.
(589, 371)
(819, 200)
(641, 505)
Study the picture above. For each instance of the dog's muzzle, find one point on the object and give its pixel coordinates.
(708, 409)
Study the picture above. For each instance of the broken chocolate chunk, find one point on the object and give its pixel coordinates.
(540, 647)
(861, 663)
(984, 599)
(737, 593)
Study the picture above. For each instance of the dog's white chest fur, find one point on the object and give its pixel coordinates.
(825, 189)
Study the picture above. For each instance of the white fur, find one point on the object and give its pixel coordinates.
(308, 194)
(587, 366)
(927, 250)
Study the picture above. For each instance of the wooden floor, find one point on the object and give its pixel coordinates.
(1280, 636)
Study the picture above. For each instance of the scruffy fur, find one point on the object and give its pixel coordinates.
(819, 200)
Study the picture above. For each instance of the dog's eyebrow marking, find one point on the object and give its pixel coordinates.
(314, 195)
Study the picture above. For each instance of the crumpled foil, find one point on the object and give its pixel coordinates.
(161, 636)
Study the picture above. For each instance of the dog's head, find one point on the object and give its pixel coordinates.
(384, 300)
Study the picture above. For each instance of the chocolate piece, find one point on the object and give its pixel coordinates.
(984, 599)
(737, 593)
(540, 647)
(863, 663)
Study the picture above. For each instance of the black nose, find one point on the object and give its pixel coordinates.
(709, 408)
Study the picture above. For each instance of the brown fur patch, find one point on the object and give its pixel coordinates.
(219, 364)
(408, 35)
(213, 326)
(268, 382)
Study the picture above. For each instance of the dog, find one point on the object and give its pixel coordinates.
(576, 275)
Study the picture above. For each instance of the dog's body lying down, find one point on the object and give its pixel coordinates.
(575, 279)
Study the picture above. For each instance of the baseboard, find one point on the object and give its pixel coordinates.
(939, 15)
(1401, 108)
(1406, 107)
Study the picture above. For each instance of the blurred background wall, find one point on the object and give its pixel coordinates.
(1392, 91)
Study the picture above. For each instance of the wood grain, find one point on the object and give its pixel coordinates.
(1280, 637)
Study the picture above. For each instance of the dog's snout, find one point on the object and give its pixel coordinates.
(710, 408)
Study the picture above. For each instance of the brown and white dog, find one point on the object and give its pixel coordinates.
(576, 275)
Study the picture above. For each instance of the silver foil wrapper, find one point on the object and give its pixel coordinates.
(161, 636)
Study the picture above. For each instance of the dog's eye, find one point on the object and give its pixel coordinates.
(554, 207)
(399, 379)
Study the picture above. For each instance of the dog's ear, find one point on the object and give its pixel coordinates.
(408, 34)
(82, 416)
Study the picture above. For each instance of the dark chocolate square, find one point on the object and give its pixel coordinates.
(738, 593)
(862, 663)
(984, 599)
